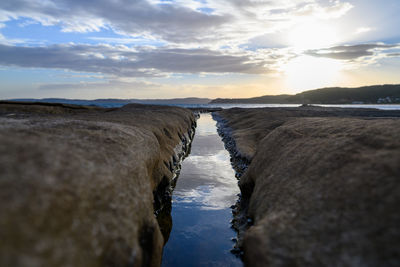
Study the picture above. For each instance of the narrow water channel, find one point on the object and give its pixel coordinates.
(201, 214)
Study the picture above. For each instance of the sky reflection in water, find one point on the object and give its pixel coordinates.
(201, 214)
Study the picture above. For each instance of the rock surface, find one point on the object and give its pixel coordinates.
(77, 184)
(322, 188)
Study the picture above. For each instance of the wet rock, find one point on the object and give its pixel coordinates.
(322, 188)
(239, 162)
(236, 251)
(77, 184)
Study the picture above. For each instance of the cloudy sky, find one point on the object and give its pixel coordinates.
(205, 48)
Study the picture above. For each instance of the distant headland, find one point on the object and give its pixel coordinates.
(376, 94)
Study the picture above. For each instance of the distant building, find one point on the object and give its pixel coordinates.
(385, 100)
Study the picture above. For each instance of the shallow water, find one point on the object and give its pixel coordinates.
(201, 214)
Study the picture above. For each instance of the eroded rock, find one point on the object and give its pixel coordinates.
(322, 188)
(77, 183)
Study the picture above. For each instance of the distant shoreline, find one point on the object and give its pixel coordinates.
(377, 94)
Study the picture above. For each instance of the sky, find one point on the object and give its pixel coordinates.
(194, 48)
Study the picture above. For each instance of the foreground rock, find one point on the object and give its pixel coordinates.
(77, 184)
(322, 188)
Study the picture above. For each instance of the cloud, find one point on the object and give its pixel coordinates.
(230, 22)
(314, 9)
(122, 61)
(256, 18)
(135, 17)
(7, 41)
(363, 30)
(352, 52)
(116, 84)
(125, 41)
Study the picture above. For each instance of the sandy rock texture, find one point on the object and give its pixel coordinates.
(77, 184)
(322, 188)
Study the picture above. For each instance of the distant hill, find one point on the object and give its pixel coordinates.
(119, 102)
(376, 94)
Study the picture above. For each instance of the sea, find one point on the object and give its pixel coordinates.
(117, 104)
(227, 106)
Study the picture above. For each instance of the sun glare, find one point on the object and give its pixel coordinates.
(312, 35)
(307, 72)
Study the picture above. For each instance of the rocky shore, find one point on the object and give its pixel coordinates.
(79, 185)
(322, 185)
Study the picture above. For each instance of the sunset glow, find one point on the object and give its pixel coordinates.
(307, 72)
(313, 35)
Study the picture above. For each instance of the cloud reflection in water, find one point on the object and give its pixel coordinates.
(207, 179)
(205, 190)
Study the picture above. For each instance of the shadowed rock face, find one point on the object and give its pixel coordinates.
(76, 184)
(322, 188)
